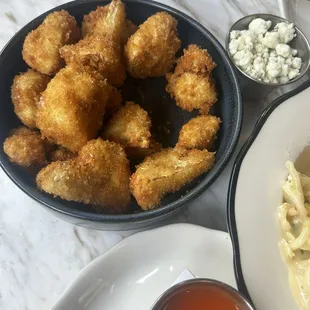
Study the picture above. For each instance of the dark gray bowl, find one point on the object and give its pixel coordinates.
(154, 99)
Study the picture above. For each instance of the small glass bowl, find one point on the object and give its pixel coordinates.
(167, 296)
(300, 43)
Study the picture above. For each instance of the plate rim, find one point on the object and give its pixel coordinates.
(86, 269)
(179, 204)
(231, 219)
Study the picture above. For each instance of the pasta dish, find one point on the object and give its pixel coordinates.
(294, 218)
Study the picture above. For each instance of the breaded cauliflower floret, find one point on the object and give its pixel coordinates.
(130, 127)
(26, 147)
(102, 50)
(95, 23)
(99, 54)
(41, 46)
(166, 172)
(192, 91)
(191, 84)
(25, 93)
(71, 109)
(150, 51)
(99, 175)
(195, 60)
(199, 133)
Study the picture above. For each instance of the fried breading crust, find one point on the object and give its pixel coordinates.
(138, 153)
(99, 53)
(195, 60)
(95, 23)
(41, 46)
(192, 91)
(191, 84)
(103, 52)
(166, 172)
(71, 108)
(150, 51)
(129, 126)
(199, 132)
(26, 148)
(99, 175)
(60, 154)
(25, 94)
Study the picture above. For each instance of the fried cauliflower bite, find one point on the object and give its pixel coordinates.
(106, 20)
(191, 85)
(138, 153)
(166, 172)
(150, 51)
(195, 60)
(26, 147)
(192, 91)
(41, 46)
(199, 132)
(25, 94)
(103, 52)
(129, 126)
(60, 154)
(95, 23)
(99, 175)
(100, 54)
(71, 109)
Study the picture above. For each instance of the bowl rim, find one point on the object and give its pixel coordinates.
(299, 33)
(208, 282)
(201, 187)
(231, 219)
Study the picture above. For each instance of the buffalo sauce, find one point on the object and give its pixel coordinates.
(203, 297)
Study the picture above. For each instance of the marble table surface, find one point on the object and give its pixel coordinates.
(40, 255)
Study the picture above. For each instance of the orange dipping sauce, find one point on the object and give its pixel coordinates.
(204, 295)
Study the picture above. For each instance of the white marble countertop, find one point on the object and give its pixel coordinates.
(40, 255)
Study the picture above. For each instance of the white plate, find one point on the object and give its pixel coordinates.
(134, 273)
(255, 193)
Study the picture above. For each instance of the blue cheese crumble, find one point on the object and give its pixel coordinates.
(265, 55)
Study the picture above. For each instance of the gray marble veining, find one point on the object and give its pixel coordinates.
(218, 16)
